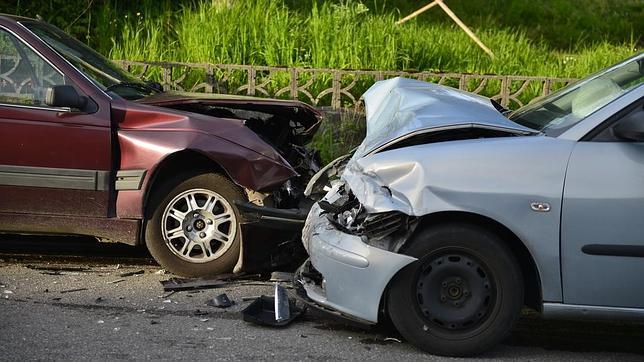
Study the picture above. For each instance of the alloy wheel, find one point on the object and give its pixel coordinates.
(199, 225)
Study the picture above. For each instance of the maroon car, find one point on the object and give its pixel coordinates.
(210, 183)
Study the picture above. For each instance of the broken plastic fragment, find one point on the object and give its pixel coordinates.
(282, 311)
(72, 290)
(281, 277)
(220, 301)
(392, 339)
(262, 311)
(129, 274)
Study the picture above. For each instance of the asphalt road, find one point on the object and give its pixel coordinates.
(65, 299)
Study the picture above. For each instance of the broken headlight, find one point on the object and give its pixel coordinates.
(348, 215)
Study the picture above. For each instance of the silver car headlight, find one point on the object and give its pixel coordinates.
(377, 229)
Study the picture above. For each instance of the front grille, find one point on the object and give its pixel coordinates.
(380, 225)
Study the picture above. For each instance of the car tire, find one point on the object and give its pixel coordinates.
(197, 239)
(463, 294)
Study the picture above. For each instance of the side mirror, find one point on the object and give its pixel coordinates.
(631, 127)
(65, 96)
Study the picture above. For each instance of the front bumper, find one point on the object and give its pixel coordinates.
(354, 274)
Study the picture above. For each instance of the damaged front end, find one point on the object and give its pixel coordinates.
(272, 218)
(385, 230)
(343, 239)
(355, 234)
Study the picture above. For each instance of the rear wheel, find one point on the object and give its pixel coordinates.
(193, 229)
(463, 294)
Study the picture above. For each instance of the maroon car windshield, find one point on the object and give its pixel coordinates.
(101, 71)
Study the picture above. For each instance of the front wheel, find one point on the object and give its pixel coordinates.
(463, 294)
(193, 229)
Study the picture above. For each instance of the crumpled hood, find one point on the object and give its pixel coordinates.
(398, 107)
(138, 116)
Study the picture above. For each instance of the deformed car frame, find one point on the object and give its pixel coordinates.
(453, 213)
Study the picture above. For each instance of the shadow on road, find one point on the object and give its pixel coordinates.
(530, 331)
(578, 336)
(72, 249)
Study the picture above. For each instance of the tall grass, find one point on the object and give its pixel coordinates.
(346, 34)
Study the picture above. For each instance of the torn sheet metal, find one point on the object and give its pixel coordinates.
(467, 175)
(180, 284)
(397, 107)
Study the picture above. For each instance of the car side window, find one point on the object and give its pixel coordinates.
(632, 115)
(24, 75)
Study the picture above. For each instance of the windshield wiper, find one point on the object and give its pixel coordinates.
(135, 85)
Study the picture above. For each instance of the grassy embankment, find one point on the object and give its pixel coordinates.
(563, 38)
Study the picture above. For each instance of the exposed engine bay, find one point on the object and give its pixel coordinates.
(282, 210)
(288, 130)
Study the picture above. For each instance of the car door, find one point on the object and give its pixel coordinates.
(53, 161)
(602, 231)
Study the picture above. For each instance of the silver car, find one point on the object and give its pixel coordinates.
(454, 213)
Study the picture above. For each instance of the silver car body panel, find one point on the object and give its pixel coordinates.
(592, 312)
(336, 255)
(519, 183)
(434, 178)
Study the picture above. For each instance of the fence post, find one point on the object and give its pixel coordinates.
(336, 95)
(167, 76)
(505, 91)
(251, 81)
(294, 83)
(547, 84)
(210, 79)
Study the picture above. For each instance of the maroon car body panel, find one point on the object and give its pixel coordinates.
(85, 152)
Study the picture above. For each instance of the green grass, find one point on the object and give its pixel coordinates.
(347, 35)
(338, 134)
(565, 38)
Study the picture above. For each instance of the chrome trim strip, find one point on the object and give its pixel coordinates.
(281, 219)
(50, 109)
(129, 179)
(575, 311)
(58, 178)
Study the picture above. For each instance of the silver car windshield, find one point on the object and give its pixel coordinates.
(561, 110)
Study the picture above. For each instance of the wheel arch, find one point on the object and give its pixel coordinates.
(188, 161)
(532, 281)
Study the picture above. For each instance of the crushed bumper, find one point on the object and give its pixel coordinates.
(353, 276)
(270, 238)
(272, 218)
